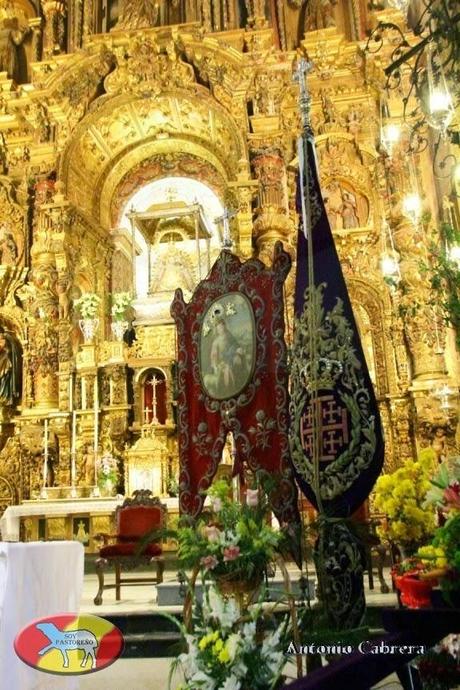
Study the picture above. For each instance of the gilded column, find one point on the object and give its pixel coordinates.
(245, 191)
(43, 333)
(423, 328)
(272, 221)
(402, 431)
(54, 35)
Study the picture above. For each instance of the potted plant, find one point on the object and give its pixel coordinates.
(231, 543)
(107, 474)
(444, 495)
(447, 537)
(229, 652)
(400, 496)
(121, 302)
(172, 487)
(88, 306)
(439, 668)
(415, 577)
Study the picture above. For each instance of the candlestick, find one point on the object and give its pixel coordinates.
(154, 383)
(96, 433)
(73, 450)
(111, 391)
(83, 393)
(71, 391)
(146, 415)
(43, 493)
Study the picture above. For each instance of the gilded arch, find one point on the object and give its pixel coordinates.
(128, 129)
(377, 306)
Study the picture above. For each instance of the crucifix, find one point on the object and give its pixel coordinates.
(154, 382)
(147, 411)
(224, 219)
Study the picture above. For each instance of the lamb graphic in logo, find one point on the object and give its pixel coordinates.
(68, 640)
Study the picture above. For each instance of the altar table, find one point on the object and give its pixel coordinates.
(10, 521)
(60, 519)
(37, 579)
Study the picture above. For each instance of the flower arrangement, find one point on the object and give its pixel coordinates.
(121, 301)
(439, 561)
(88, 305)
(445, 490)
(432, 557)
(447, 538)
(233, 540)
(226, 652)
(172, 486)
(439, 668)
(106, 471)
(400, 495)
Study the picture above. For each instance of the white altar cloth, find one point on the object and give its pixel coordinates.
(11, 518)
(10, 521)
(37, 579)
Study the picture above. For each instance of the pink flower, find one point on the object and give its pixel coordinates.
(209, 562)
(231, 552)
(212, 533)
(252, 497)
(216, 504)
(452, 496)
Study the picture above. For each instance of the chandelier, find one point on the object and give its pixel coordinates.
(425, 69)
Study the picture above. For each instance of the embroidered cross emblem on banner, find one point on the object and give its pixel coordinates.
(333, 428)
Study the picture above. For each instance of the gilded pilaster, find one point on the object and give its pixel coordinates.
(43, 332)
(272, 222)
(423, 328)
(54, 34)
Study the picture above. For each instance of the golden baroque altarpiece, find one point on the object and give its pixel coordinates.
(99, 99)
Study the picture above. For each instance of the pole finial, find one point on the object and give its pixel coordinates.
(225, 220)
(303, 67)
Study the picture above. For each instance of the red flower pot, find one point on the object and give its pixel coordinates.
(415, 593)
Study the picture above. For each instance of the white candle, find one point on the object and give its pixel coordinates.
(73, 448)
(45, 455)
(96, 425)
(70, 392)
(83, 393)
(111, 391)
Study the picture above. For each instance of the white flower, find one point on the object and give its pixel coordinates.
(452, 644)
(239, 669)
(227, 612)
(216, 503)
(202, 677)
(232, 645)
(88, 305)
(271, 642)
(275, 662)
(249, 631)
(231, 683)
(229, 538)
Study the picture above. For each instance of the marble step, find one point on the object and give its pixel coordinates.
(171, 593)
(147, 635)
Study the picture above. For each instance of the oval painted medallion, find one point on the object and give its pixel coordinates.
(227, 346)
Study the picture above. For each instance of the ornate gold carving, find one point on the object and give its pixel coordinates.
(56, 528)
(138, 104)
(154, 342)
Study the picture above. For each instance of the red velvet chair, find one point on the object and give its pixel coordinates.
(137, 516)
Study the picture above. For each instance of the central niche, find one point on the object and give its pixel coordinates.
(174, 238)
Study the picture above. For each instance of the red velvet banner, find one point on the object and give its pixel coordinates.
(232, 377)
